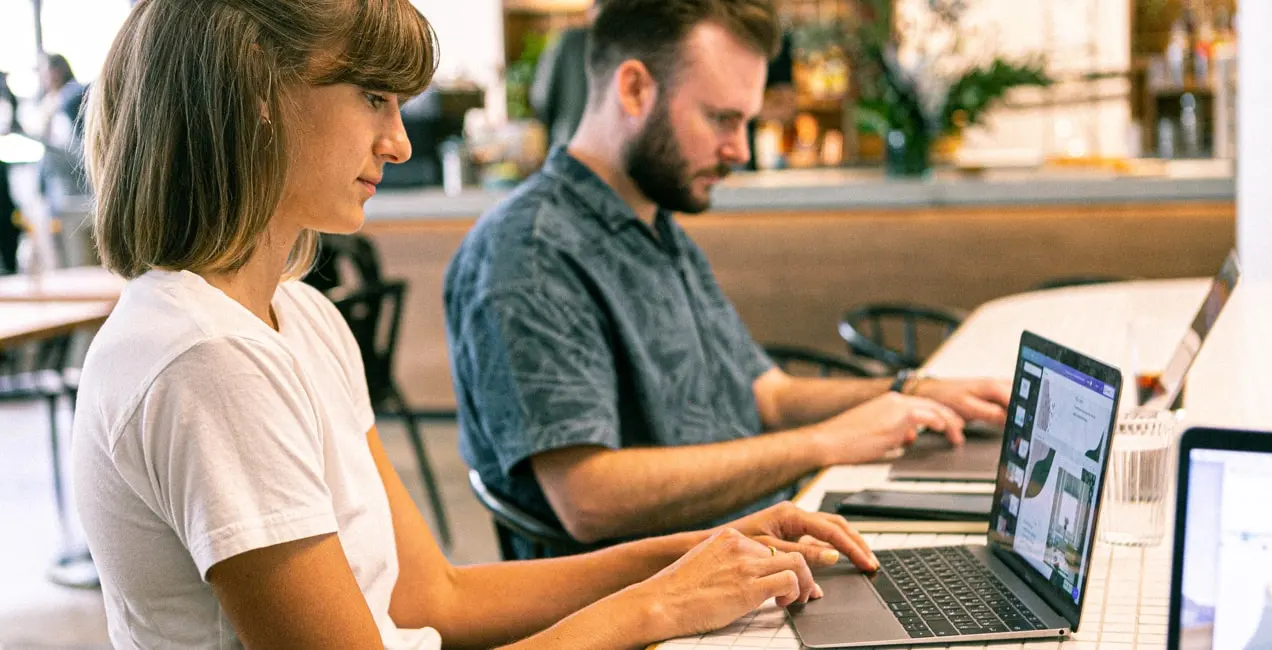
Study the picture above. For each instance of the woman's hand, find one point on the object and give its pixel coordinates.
(718, 581)
(820, 537)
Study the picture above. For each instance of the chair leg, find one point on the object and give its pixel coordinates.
(426, 471)
(55, 450)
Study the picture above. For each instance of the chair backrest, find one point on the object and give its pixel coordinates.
(512, 518)
(800, 361)
(340, 253)
(374, 315)
(869, 330)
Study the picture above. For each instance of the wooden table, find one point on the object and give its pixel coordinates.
(23, 322)
(1129, 589)
(80, 283)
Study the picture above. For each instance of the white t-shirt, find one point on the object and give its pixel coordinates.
(201, 433)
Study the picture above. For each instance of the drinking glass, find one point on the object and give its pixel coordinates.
(1139, 487)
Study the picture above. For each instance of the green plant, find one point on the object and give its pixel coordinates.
(519, 76)
(937, 93)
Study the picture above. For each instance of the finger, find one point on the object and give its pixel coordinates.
(841, 523)
(995, 391)
(978, 409)
(809, 539)
(792, 562)
(782, 586)
(841, 539)
(952, 423)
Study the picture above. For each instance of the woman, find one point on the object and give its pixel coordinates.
(229, 475)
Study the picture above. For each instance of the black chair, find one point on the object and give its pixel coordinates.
(798, 361)
(374, 314)
(339, 254)
(37, 372)
(547, 539)
(868, 330)
(1079, 281)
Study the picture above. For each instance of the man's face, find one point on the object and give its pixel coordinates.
(696, 131)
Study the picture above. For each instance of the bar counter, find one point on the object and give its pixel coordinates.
(794, 249)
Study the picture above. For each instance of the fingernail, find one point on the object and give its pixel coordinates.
(829, 556)
(875, 559)
(817, 591)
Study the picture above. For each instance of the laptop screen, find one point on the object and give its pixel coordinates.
(1157, 393)
(1056, 441)
(1227, 555)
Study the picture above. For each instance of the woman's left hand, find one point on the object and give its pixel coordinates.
(820, 537)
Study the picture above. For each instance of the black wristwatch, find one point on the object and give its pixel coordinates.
(898, 384)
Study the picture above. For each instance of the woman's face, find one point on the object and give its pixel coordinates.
(340, 138)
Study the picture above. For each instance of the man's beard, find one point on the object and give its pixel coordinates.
(655, 163)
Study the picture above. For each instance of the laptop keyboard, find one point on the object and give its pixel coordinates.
(946, 591)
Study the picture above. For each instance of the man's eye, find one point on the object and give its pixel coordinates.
(375, 100)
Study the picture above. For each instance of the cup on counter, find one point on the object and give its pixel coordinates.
(1140, 485)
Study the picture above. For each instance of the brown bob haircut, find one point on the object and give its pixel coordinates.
(187, 126)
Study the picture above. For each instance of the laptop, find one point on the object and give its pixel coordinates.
(933, 458)
(1029, 579)
(1162, 393)
(1221, 574)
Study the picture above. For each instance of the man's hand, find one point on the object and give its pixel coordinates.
(820, 537)
(972, 399)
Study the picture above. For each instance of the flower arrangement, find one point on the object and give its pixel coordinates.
(922, 81)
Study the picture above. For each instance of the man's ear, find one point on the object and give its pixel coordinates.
(636, 88)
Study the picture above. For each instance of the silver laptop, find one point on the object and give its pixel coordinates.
(1161, 393)
(933, 458)
(1029, 580)
(1221, 576)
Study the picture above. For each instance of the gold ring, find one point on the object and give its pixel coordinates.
(773, 551)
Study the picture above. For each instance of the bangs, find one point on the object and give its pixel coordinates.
(390, 47)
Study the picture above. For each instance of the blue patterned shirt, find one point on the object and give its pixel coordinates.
(571, 322)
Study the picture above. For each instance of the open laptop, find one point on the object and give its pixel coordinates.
(1161, 393)
(1221, 582)
(933, 458)
(1029, 580)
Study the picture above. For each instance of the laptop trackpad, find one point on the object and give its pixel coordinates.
(850, 612)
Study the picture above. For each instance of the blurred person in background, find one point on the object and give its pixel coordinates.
(227, 466)
(63, 183)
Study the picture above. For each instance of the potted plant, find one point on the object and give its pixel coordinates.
(920, 82)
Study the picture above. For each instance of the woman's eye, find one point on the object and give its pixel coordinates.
(375, 100)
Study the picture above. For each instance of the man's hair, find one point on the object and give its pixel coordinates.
(188, 124)
(653, 32)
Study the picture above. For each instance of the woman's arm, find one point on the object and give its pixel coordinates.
(493, 604)
(300, 594)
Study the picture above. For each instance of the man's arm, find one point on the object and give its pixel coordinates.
(600, 493)
(786, 402)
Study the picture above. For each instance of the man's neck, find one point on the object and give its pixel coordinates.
(606, 164)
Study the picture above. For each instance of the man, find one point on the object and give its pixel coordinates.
(559, 92)
(603, 379)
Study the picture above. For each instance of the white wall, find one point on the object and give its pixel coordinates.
(470, 34)
(1254, 141)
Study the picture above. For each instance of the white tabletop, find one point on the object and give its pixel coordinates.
(1129, 589)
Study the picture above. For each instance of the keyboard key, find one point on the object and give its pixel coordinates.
(920, 634)
(887, 590)
(942, 628)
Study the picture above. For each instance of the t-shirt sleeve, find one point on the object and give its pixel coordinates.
(233, 449)
(540, 372)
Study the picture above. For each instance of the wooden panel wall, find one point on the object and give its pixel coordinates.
(792, 275)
